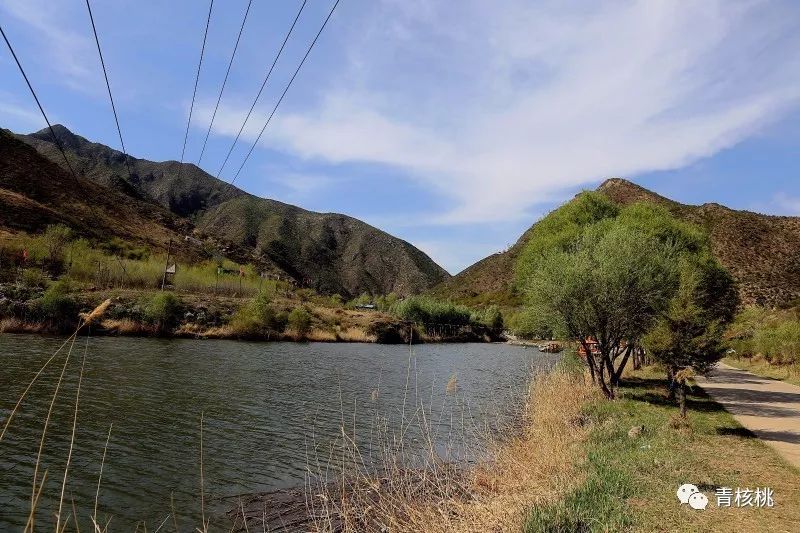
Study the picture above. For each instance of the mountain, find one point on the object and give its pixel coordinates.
(35, 192)
(331, 252)
(762, 252)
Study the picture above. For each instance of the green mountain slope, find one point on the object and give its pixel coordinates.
(331, 252)
(762, 252)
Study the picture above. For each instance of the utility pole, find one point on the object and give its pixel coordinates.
(166, 265)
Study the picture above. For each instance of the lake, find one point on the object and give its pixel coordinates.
(270, 411)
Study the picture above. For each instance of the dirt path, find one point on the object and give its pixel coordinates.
(767, 407)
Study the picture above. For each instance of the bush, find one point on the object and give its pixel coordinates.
(56, 305)
(163, 310)
(33, 278)
(490, 317)
(427, 310)
(773, 335)
(528, 324)
(259, 317)
(300, 321)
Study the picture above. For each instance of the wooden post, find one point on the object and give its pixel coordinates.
(166, 265)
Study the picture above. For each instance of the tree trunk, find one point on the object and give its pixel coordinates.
(637, 358)
(618, 372)
(608, 392)
(682, 398)
(671, 386)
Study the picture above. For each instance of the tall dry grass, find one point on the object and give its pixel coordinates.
(531, 465)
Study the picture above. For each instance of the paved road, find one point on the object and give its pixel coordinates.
(767, 407)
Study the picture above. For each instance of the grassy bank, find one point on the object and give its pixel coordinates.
(630, 483)
(766, 342)
(761, 367)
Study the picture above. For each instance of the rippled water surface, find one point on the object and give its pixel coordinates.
(266, 408)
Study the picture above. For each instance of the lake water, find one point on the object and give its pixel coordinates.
(270, 411)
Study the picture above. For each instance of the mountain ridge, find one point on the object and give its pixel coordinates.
(331, 252)
(762, 252)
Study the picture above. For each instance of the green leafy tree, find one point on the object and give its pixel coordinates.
(610, 286)
(56, 238)
(688, 337)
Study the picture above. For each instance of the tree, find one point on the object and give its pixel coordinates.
(687, 338)
(594, 271)
(300, 321)
(610, 286)
(56, 237)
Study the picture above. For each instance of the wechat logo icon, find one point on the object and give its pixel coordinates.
(688, 493)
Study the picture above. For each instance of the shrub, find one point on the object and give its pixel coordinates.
(259, 317)
(56, 305)
(33, 278)
(427, 310)
(300, 321)
(529, 325)
(163, 310)
(490, 317)
(55, 238)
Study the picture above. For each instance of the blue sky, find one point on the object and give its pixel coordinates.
(452, 125)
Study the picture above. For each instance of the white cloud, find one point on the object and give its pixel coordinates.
(18, 116)
(787, 204)
(69, 53)
(500, 106)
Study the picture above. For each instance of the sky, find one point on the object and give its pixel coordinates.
(453, 125)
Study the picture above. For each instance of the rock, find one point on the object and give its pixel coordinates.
(635, 432)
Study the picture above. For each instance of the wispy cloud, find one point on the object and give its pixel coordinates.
(786, 204)
(68, 53)
(499, 106)
(18, 116)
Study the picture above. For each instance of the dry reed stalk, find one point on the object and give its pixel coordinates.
(72, 439)
(34, 499)
(172, 511)
(35, 377)
(202, 481)
(97, 312)
(75, 516)
(100, 476)
(533, 466)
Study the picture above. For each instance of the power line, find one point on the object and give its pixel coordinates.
(194, 94)
(224, 82)
(56, 141)
(108, 86)
(288, 85)
(261, 89)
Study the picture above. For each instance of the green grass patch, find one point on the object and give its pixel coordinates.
(629, 483)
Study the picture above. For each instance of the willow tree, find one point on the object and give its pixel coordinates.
(610, 286)
(592, 270)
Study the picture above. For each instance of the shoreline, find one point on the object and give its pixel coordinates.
(13, 326)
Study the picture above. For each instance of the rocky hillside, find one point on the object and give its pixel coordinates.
(330, 252)
(761, 251)
(35, 192)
